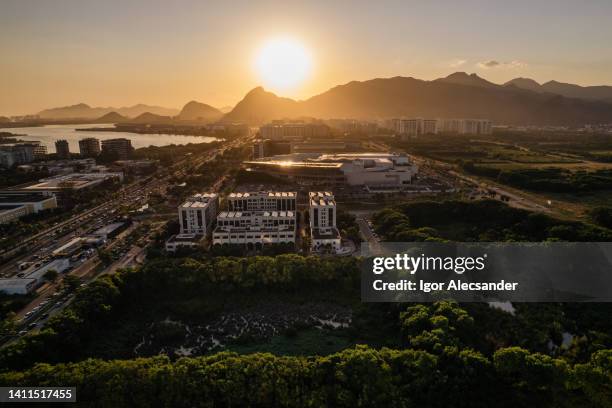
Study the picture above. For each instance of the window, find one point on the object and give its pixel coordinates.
(184, 219)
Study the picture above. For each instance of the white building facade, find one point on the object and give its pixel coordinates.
(257, 218)
(262, 201)
(196, 217)
(197, 213)
(323, 213)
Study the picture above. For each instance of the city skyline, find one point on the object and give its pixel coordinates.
(155, 53)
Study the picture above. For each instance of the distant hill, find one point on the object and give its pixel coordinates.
(111, 117)
(197, 111)
(463, 78)
(150, 118)
(84, 111)
(4, 119)
(404, 96)
(133, 111)
(525, 83)
(260, 106)
(602, 92)
(226, 109)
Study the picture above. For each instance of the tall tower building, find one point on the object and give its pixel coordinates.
(89, 147)
(323, 231)
(62, 149)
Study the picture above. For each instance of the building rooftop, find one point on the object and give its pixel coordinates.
(254, 228)
(288, 163)
(25, 197)
(289, 194)
(185, 238)
(322, 202)
(327, 233)
(75, 181)
(8, 283)
(199, 200)
(6, 208)
(108, 229)
(239, 214)
(321, 199)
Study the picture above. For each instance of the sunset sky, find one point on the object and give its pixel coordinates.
(103, 53)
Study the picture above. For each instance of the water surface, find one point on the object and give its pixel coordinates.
(48, 134)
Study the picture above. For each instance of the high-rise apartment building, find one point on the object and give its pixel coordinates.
(197, 213)
(420, 126)
(89, 147)
(122, 148)
(323, 231)
(62, 149)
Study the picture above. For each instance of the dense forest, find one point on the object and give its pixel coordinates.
(358, 377)
(484, 221)
(552, 180)
(440, 354)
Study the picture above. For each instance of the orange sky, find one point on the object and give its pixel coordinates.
(167, 53)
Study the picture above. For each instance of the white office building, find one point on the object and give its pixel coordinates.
(262, 201)
(323, 231)
(14, 205)
(257, 218)
(374, 171)
(196, 217)
(198, 213)
(255, 228)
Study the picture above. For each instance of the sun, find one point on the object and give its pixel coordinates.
(283, 64)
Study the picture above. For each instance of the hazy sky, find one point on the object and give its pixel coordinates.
(60, 52)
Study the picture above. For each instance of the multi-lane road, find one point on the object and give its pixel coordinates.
(38, 245)
(50, 299)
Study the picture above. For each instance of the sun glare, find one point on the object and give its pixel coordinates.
(283, 64)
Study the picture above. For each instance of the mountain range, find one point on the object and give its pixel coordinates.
(84, 111)
(601, 92)
(143, 114)
(458, 95)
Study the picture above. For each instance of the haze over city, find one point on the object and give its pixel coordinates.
(119, 54)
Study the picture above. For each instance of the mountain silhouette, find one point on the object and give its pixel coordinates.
(149, 118)
(456, 96)
(197, 111)
(259, 106)
(111, 117)
(84, 111)
(463, 78)
(601, 92)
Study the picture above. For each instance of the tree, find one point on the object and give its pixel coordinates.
(434, 327)
(104, 256)
(8, 325)
(51, 275)
(71, 282)
(602, 216)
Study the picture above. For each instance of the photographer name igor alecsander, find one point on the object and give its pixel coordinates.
(412, 265)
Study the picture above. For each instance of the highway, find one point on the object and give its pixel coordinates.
(40, 245)
(51, 297)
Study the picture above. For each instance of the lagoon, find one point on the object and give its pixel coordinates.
(48, 134)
